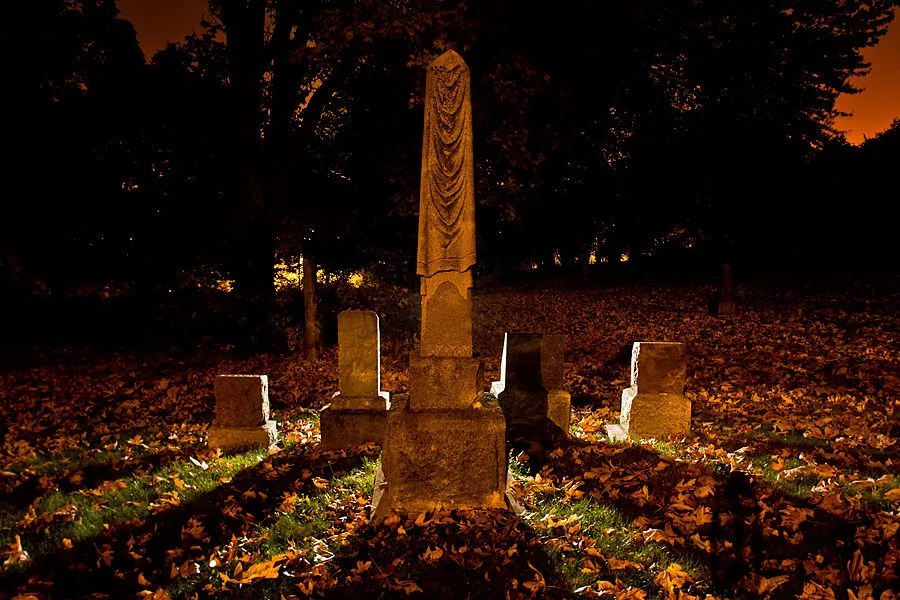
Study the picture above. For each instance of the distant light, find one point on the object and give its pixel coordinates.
(623, 257)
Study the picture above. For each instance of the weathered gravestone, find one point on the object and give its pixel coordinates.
(242, 413)
(726, 304)
(441, 448)
(530, 387)
(655, 405)
(358, 411)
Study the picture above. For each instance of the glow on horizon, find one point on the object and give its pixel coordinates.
(160, 21)
(879, 103)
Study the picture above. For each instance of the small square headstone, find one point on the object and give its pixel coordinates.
(242, 413)
(658, 367)
(242, 400)
(531, 379)
(654, 405)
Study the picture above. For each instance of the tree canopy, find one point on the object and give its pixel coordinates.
(286, 127)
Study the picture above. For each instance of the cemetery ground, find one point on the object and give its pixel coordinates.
(788, 487)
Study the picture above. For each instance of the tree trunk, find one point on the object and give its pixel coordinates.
(312, 330)
(244, 30)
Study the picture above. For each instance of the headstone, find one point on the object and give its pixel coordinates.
(530, 386)
(655, 405)
(242, 413)
(358, 411)
(726, 304)
(441, 448)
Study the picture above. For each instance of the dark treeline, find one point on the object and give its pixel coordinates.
(660, 130)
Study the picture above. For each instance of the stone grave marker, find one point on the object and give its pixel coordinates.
(441, 448)
(726, 304)
(242, 413)
(358, 411)
(530, 386)
(655, 405)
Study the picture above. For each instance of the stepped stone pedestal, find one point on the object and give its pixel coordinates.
(441, 458)
(655, 405)
(530, 386)
(442, 447)
(242, 414)
(357, 412)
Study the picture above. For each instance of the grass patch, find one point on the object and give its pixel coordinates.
(602, 529)
(309, 515)
(669, 448)
(521, 469)
(795, 439)
(872, 497)
(303, 527)
(799, 487)
(83, 514)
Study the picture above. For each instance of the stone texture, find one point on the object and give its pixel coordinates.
(379, 402)
(242, 414)
(349, 428)
(531, 375)
(447, 315)
(439, 450)
(442, 458)
(559, 409)
(553, 356)
(437, 382)
(654, 405)
(358, 411)
(241, 400)
(359, 359)
(233, 439)
(654, 415)
(446, 245)
(658, 367)
(447, 194)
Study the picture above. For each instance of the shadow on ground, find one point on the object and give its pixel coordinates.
(745, 531)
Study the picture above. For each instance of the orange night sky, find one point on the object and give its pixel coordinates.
(161, 21)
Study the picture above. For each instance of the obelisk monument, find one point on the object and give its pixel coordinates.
(441, 448)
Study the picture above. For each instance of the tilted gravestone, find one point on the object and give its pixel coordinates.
(358, 411)
(242, 413)
(441, 448)
(655, 405)
(530, 387)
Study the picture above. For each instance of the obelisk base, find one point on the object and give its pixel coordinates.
(441, 459)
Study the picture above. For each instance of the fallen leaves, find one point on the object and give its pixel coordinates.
(262, 570)
(672, 578)
(13, 553)
(791, 468)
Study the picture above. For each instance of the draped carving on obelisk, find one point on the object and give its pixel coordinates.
(442, 446)
(447, 193)
(446, 250)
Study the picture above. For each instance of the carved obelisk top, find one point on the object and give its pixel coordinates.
(447, 194)
(446, 250)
